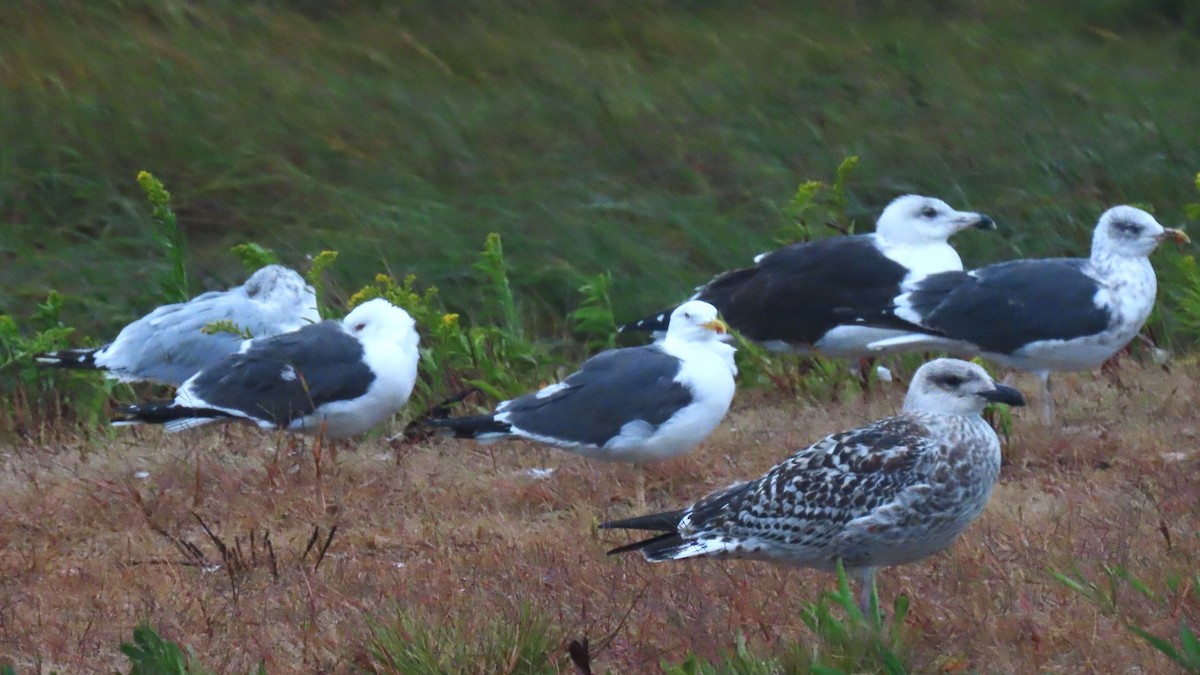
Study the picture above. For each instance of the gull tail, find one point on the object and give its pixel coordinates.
(78, 359)
(656, 323)
(480, 427)
(172, 416)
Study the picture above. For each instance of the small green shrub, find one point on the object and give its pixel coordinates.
(30, 395)
(847, 641)
(423, 645)
(494, 357)
(174, 284)
(150, 654)
(593, 320)
(1181, 590)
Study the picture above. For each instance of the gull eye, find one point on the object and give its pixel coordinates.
(686, 315)
(929, 212)
(360, 326)
(1127, 227)
(951, 381)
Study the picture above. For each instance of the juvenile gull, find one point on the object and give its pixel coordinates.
(630, 405)
(787, 301)
(1043, 316)
(889, 493)
(347, 376)
(169, 344)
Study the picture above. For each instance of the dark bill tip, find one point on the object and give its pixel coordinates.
(985, 223)
(1003, 394)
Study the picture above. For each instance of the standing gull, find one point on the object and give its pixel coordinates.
(169, 345)
(788, 300)
(636, 404)
(889, 493)
(1043, 316)
(340, 377)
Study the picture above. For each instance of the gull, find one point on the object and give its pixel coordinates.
(169, 345)
(337, 377)
(1041, 316)
(636, 404)
(788, 300)
(892, 492)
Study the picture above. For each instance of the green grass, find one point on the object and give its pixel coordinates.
(658, 141)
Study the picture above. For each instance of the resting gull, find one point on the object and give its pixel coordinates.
(787, 301)
(339, 377)
(889, 493)
(1043, 316)
(169, 345)
(636, 404)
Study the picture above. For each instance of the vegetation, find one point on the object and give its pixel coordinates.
(623, 152)
(628, 137)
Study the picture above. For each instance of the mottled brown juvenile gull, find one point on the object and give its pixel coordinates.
(636, 404)
(1042, 316)
(889, 493)
(169, 345)
(339, 377)
(788, 299)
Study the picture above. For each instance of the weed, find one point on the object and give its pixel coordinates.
(1106, 596)
(593, 319)
(495, 358)
(847, 641)
(422, 645)
(174, 284)
(150, 654)
(254, 256)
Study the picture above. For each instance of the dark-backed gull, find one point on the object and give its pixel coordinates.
(787, 301)
(341, 378)
(1059, 314)
(636, 404)
(889, 493)
(169, 345)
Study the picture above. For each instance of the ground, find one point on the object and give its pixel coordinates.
(98, 534)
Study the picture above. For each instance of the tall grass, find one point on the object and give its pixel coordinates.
(659, 141)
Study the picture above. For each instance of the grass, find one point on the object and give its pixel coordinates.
(99, 535)
(628, 137)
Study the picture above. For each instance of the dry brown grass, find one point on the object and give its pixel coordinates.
(456, 532)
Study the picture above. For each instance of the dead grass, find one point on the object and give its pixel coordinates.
(449, 531)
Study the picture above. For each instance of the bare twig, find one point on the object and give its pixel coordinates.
(328, 541)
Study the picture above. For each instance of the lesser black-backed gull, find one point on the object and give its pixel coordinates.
(339, 377)
(889, 493)
(1059, 314)
(787, 301)
(636, 404)
(169, 345)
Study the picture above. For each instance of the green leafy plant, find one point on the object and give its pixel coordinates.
(1181, 591)
(254, 256)
(150, 654)
(846, 641)
(174, 284)
(819, 204)
(495, 358)
(31, 395)
(423, 645)
(593, 320)
(316, 277)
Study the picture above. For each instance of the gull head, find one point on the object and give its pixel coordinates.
(696, 321)
(380, 320)
(956, 387)
(1131, 232)
(914, 220)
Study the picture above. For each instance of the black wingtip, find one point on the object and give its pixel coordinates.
(653, 542)
(470, 427)
(78, 359)
(649, 324)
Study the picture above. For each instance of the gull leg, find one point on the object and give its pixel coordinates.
(316, 452)
(864, 593)
(1047, 399)
(640, 494)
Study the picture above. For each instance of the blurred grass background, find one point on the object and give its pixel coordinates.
(656, 139)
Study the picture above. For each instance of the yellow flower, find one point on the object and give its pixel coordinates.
(449, 320)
